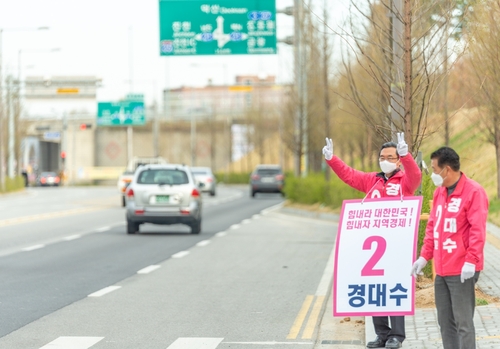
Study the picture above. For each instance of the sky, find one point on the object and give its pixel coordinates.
(117, 41)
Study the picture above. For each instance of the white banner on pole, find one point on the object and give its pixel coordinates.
(376, 246)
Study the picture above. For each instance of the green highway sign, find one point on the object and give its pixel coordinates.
(217, 27)
(123, 113)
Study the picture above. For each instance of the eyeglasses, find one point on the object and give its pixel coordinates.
(389, 158)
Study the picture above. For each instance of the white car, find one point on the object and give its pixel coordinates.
(205, 179)
(163, 194)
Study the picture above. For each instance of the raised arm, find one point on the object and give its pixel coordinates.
(354, 178)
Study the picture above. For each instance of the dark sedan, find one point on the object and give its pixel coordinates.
(267, 179)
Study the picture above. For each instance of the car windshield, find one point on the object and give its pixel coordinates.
(268, 171)
(200, 173)
(163, 176)
(48, 174)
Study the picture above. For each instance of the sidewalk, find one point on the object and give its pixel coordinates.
(422, 331)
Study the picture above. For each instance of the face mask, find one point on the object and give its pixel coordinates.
(437, 179)
(387, 167)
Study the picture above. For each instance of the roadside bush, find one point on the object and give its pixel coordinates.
(14, 184)
(315, 189)
(233, 178)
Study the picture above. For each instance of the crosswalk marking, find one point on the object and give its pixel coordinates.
(72, 343)
(270, 343)
(195, 343)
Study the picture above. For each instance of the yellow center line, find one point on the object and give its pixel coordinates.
(42, 216)
(299, 320)
(313, 318)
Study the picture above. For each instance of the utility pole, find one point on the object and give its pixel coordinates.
(10, 98)
(193, 140)
(397, 83)
(326, 85)
(130, 130)
(156, 148)
(303, 89)
(297, 5)
(2, 113)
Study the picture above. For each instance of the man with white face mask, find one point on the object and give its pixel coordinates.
(455, 238)
(392, 181)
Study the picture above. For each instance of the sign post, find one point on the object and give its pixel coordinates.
(217, 27)
(376, 246)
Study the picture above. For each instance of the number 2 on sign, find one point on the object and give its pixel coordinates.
(379, 252)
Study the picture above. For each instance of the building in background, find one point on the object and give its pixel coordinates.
(250, 97)
(224, 101)
(59, 96)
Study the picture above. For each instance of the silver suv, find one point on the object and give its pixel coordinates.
(163, 194)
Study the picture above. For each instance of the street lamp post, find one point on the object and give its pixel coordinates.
(11, 117)
(12, 139)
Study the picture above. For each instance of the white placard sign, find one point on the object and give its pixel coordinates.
(376, 246)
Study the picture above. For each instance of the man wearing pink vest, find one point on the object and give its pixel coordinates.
(391, 182)
(455, 237)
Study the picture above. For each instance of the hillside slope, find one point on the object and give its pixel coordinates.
(468, 138)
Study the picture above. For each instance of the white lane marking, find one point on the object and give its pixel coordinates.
(104, 291)
(180, 254)
(34, 247)
(203, 243)
(195, 343)
(148, 270)
(256, 216)
(272, 208)
(326, 279)
(221, 234)
(245, 221)
(103, 229)
(234, 226)
(269, 343)
(72, 343)
(72, 237)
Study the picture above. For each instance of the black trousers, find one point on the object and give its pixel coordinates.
(396, 329)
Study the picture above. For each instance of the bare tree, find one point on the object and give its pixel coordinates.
(485, 62)
(371, 54)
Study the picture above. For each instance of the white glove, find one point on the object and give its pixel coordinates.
(328, 149)
(468, 271)
(417, 267)
(402, 146)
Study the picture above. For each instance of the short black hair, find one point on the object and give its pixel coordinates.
(446, 156)
(389, 145)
